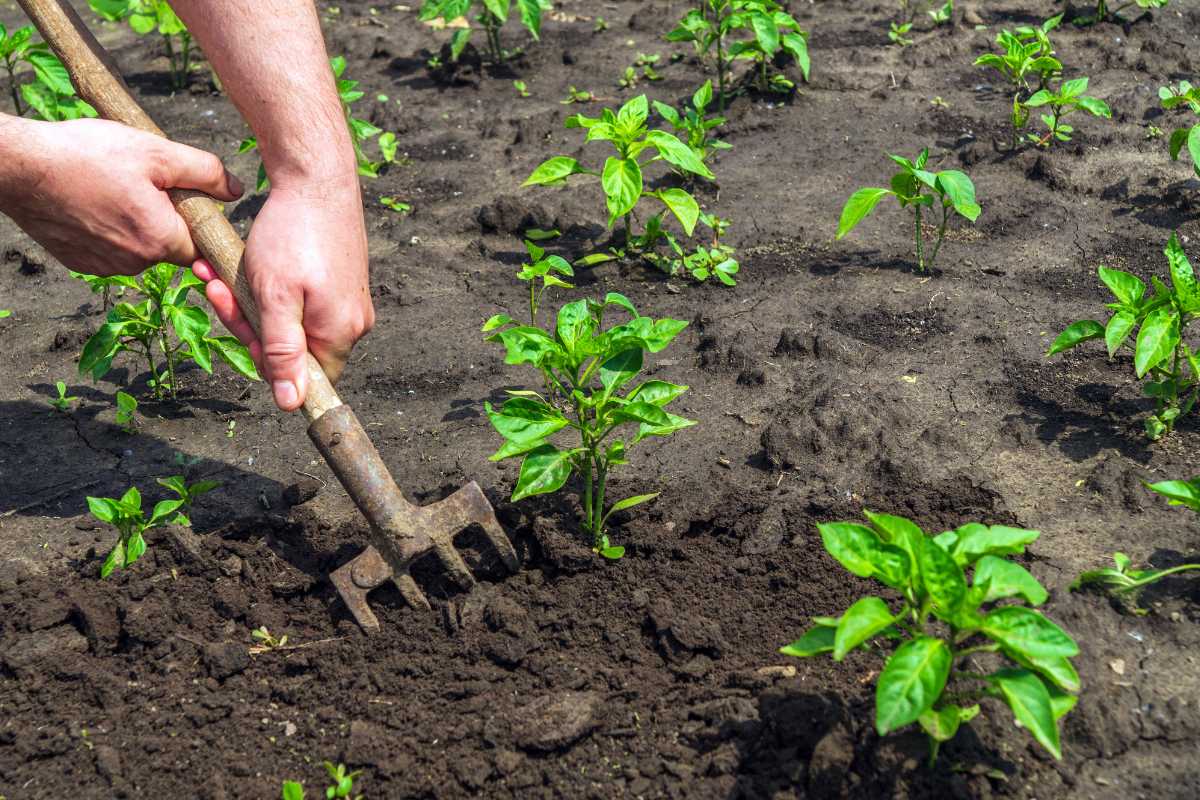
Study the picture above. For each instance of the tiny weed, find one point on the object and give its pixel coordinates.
(62, 403)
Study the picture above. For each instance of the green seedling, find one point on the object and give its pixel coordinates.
(584, 368)
(522, 89)
(266, 640)
(126, 410)
(1028, 54)
(898, 34)
(491, 16)
(1160, 351)
(942, 14)
(130, 520)
(1125, 583)
(950, 189)
(622, 176)
(957, 645)
(1174, 97)
(400, 207)
(601, 26)
(361, 131)
(1104, 13)
(166, 320)
(715, 260)
(231, 429)
(149, 16)
(645, 63)
(343, 781)
(1068, 99)
(51, 95)
(708, 28)
(694, 123)
(5, 313)
(542, 266)
(292, 790)
(577, 96)
(62, 403)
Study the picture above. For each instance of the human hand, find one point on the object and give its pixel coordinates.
(93, 192)
(306, 264)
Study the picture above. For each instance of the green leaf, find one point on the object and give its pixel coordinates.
(163, 510)
(974, 540)
(574, 325)
(1179, 493)
(943, 579)
(621, 301)
(1029, 700)
(116, 558)
(628, 502)
(1157, 339)
(100, 348)
(496, 321)
(858, 549)
(641, 412)
(1076, 333)
(660, 393)
(1119, 326)
(863, 620)
(554, 170)
(531, 16)
(523, 419)
(544, 470)
(678, 154)
(1096, 107)
(1127, 288)
(633, 114)
(50, 71)
(292, 791)
(1179, 137)
(192, 325)
(860, 204)
(622, 183)
(1005, 579)
(235, 354)
(1034, 642)
(1193, 144)
(526, 345)
(134, 548)
(1182, 276)
(104, 509)
(511, 448)
(911, 682)
(960, 191)
(620, 369)
(498, 8)
(683, 206)
(818, 639)
(942, 724)
(898, 531)
(674, 423)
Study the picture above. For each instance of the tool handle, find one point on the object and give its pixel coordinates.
(96, 79)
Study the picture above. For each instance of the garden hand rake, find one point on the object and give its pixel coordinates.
(400, 532)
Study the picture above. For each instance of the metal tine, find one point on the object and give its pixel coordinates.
(443, 545)
(475, 509)
(495, 534)
(411, 593)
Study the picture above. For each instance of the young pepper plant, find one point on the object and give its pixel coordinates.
(51, 95)
(1160, 351)
(775, 31)
(490, 14)
(164, 320)
(1068, 99)
(127, 515)
(361, 131)
(1028, 53)
(694, 122)
(951, 190)
(148, 16)
(948, 627)
(586, 369)
(1172, 98)
(622, 176)
(1106, 14)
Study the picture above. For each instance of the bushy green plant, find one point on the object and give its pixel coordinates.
(130, 520)
(622, 176)
(1062, 102)
(50, 95)
(916, 188)
(1160, 350)
(361, 131)
(948, 628)
(150, 16)
(491, 16)
(586, 368)
(694, 122)
(1174, 97)
(1028, 54)
(164, 319)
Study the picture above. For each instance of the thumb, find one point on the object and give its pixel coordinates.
(284, 347)
(185, 167)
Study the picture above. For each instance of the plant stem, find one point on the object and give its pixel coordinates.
(169, 356)
(981, 648)
(919, 238)
(941, 234)
(171, 60)
(1139, 583)
(598, 509)
(628, 232)
(12, 88)
(186, 66)
(720, 68)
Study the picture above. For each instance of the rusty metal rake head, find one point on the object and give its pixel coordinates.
(400, 532)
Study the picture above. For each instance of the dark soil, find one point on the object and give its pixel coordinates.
(831, 378)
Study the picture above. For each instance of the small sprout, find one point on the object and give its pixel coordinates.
(343, 781)
(950, 190)
(577, 96)
(395, 204)
(1153, 132)
(292, 790)
(1105, 14)
(938, 102)
(600, 25)
(126, 408)
(1065, 101)
(898, 34)
(522, 89)
(62, 403)
(943, 13)
(5, 313)
(267, 640)
(231, 429)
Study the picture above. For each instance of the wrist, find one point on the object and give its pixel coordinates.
(20, 155)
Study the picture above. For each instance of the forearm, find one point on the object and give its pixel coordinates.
(272, 61)
(21, 166)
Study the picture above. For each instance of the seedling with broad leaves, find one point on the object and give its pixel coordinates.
(62, 403)
(898, 34)
(916, 188)
(50, 95)
(1066, 100)
(586, 370)
(491, 15)
(1173, 97)
(547, 268)
(342, 786)
(958, 644)
(165, 320)
(622, 177)
(127, 515)
(1028, 55)
(361, 131)
(695, 124)
(715, 260)
(941, 15)
(148, 16)
(1161, 355)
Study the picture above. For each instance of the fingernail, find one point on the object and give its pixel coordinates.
(285, 393)
(235, 186)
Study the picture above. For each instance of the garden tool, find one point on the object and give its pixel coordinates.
(400, 531)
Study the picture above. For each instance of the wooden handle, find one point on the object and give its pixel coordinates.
(96, 79)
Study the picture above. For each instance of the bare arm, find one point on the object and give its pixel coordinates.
(306, 257)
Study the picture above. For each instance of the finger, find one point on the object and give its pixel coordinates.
(284, 345)
(203, 270)
(184, 167)
(331, 357)
(226, 308)
(179, 248)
